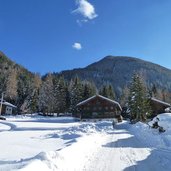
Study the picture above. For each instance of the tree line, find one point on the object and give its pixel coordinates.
(48, 94)
(57, 95)
(32, 93)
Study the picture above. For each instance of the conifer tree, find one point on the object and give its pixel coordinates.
(107, 91)
(11, 86)
(111, 94)
(154, 90)
(138, 101)
(68, 101)
(76, 93)
(124, 96)
(89, 89)
(36, 83)
(24, 91)
(103, 91)
(46, 95)
(60, 94)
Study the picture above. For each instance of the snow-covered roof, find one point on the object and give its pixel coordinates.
(9, 104)
(102, 97)
(159, 101)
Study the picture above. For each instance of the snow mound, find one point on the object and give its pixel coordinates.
(75, 151)
(45, 161)
(90, 127)
(152, 137)
(39, 118)
(149, 136)
(163, 120)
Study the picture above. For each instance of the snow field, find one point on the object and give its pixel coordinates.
(75, 156)
(49, 142)
(52, 144)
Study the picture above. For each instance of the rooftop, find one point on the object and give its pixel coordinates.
(102, 97)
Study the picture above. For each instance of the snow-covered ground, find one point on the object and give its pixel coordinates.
(49, 144)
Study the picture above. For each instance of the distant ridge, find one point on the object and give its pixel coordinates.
(118, 71)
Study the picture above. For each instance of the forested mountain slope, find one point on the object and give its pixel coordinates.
(118, 71)
(17, 83)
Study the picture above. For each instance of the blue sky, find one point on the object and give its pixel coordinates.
(54, 35)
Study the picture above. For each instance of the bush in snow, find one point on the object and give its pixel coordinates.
(168, 110)
(162, 122)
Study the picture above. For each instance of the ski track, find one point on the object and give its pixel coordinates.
(10, 126)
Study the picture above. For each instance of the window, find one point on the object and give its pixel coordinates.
(94, 113)
(8, 110)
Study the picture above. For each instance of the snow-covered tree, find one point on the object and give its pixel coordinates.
(60, 94)
(46, 95)
(124, 96)
(24, 91)
(138, 101)
(34, 96)
(11, 86)
(111, 94)
(89, 89)
(107, 91)
(76, 93)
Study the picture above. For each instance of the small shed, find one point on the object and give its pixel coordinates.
(8, 108)
(98, 107)
(158, 106)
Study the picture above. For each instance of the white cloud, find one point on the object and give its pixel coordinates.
(86, 9)
(77, 46)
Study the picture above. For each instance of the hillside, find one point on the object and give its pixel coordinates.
(15, 81)
(7, 64)
(118, 71)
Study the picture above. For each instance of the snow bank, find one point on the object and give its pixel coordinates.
(152, 137)
(146, 134)
(163, 120)
(46, 161)
(39, 118)
(91, 127)
(76, 154)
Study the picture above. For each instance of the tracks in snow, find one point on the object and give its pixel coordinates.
(123, 151)
(11, 126)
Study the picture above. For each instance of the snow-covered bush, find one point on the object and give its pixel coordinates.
(162, 122)
(168, 110)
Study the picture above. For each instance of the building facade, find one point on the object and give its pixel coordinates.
(158, 106)
(98, 107)
(8, 108)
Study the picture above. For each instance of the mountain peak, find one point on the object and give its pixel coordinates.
(123, 58)
(118, 71)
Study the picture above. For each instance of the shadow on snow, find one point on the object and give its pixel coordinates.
(158, 159)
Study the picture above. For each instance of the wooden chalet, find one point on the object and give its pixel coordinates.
(99, 107)
(8, 108)
(158, 106)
